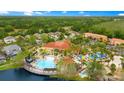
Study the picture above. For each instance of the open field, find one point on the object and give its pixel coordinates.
(111, 29)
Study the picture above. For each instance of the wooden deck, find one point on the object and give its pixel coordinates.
(32, 69)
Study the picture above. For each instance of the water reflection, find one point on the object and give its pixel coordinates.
(23, 75)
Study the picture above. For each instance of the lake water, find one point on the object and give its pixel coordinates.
(23, 75)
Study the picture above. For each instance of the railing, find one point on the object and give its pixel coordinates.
(32, 69)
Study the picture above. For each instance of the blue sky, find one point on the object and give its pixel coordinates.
(62, 13)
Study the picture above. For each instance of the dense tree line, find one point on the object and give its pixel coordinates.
(31, 25)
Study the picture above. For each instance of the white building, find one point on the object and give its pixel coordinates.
(9, 39)
(11, 50)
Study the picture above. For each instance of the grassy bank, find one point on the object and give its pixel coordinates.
(11, 66)
(15, 62)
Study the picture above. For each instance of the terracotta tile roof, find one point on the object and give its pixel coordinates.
(58, 45)
(95, 35)
(117, 40)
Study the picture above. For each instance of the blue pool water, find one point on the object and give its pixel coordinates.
(48, 62)
(97, 56)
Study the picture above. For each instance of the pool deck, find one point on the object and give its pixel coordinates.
(32, 69)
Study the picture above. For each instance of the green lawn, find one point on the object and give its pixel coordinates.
(15, 62)
(113, 25)
(111, 29)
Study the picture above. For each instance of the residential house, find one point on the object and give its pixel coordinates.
(11, 50)
(73, 34)
(27, 37)
(55, 35)
(19, 37)
(2, 58)
(116, 41)
(9, 39)
(117, 19)
(37, 36)
(39, 42)
(96, 37)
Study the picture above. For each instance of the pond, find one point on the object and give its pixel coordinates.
(23, 75)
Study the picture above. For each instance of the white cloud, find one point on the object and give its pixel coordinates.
(39, 13)
(86, 15)
(121, 14)
(81, 12)
(47, 11)
(28, 13)
(64, 12)
(4, 12)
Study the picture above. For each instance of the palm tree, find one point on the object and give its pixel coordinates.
(109, 54)
(67, 68)
(102, 48)
(120, 49)
(56, 52)
(113, 68)
(95, 71)
(122, 62)
(75, 48)
(84, 51)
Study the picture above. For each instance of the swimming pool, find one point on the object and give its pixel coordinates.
(96, 56)
(47, 62)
